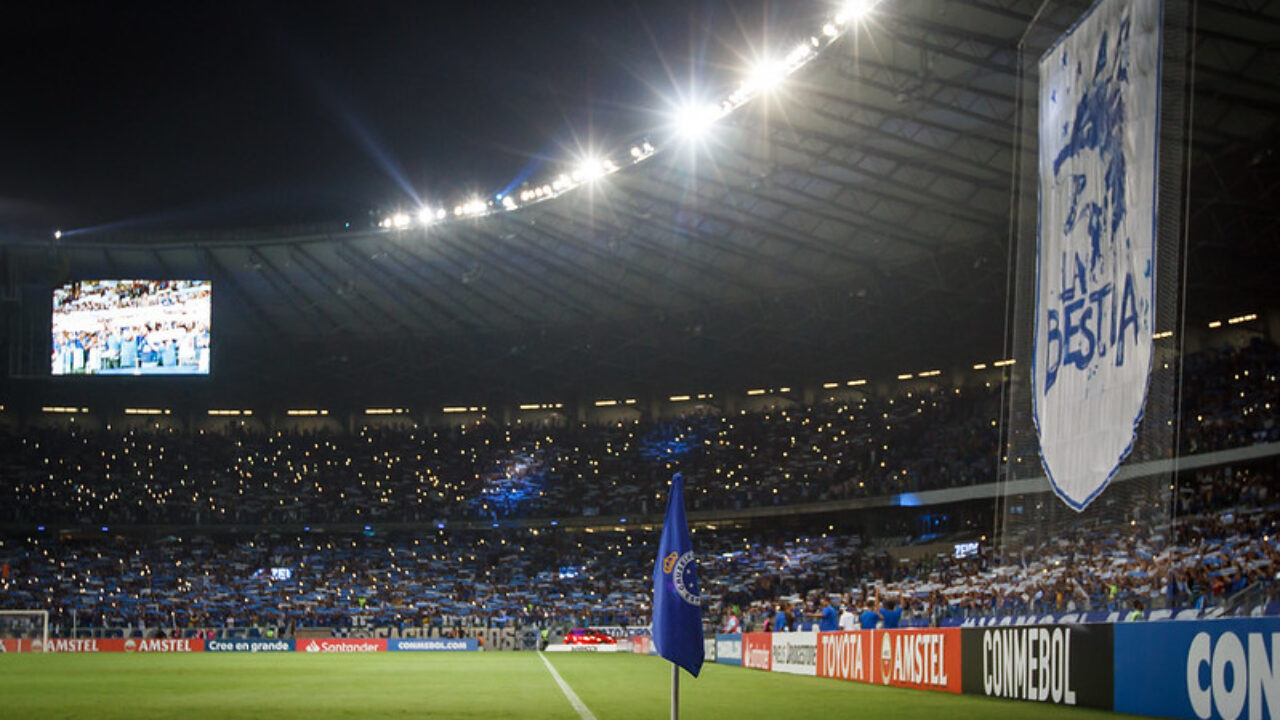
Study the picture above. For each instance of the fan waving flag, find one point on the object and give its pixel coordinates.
(677, 606)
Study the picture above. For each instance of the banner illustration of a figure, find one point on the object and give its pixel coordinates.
(1099, 121)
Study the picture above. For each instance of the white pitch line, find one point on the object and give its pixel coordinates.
(574, 700)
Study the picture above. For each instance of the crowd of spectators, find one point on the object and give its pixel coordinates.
(1222, 540)
(837, 449)
(1217, 539)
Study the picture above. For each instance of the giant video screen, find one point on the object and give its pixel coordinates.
(131, 327)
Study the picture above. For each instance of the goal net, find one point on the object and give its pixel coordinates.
(24, 630)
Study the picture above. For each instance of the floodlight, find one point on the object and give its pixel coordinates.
(692, 121)
(591, 169)
(854, 10)
(400, 220)
(426, 216)
(766, 76)
(798, 55)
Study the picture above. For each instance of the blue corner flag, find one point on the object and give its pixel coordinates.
(677, 606)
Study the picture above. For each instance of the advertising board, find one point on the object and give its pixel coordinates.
(1058, 664)
(432, 645)
(1202, 669)
(342, 645)
(729, 649)
(249, 645)
(926, 659)
(795, 652)
(757, 651)
(845, 655)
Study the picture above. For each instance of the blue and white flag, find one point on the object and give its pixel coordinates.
(1095, 293)
(677, 606)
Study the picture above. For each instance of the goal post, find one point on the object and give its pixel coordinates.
(19, 625)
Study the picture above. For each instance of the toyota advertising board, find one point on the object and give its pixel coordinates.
(1058, 664)
(845, 655)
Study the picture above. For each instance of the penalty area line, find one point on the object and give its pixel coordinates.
(574, 700)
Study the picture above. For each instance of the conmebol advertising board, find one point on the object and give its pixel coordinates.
(1059, 664)
(1224, 669)
(432, 644)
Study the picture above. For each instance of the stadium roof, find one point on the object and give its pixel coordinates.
(855, 220)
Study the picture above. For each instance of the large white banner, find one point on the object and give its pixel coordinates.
(1099, 120)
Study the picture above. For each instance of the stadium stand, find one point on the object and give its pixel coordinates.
(206, 550)
(872, 446)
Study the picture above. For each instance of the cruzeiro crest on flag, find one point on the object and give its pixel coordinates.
(683, 577)
(1095, 263)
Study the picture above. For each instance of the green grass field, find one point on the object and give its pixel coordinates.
(445, 685)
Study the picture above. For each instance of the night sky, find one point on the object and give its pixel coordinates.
(150, 117)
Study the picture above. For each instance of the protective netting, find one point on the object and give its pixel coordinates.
(1132, 515)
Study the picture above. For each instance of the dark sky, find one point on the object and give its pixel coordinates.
(163, 116)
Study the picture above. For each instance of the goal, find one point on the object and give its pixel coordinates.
(24, 630)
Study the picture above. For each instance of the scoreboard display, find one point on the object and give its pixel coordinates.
(131, 327)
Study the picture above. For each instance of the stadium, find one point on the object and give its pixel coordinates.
(893, 358)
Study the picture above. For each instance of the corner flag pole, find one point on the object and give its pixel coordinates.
(675, 691)
(677, 603)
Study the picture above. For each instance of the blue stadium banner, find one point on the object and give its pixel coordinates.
(677, 606)
(432, 645)
(729, 649)
(1220, 669)
(1095, 259)
(249, 645)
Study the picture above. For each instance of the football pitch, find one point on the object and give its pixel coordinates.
(447, 685)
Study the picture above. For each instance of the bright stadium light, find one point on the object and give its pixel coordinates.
(854, 10)
(692, 121)
(766, 76)
(593, 168)
(799, 54)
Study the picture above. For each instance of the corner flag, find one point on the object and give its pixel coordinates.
(677, 608)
